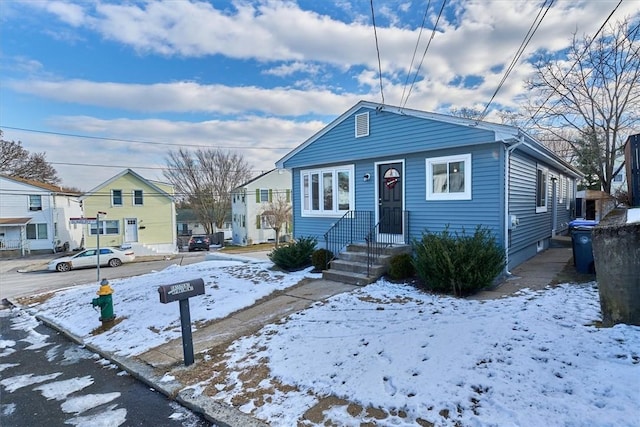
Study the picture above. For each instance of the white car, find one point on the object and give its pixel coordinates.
(89, 258)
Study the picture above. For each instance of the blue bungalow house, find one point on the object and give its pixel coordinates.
(380, 175)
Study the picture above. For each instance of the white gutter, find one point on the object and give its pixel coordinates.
(507, 158)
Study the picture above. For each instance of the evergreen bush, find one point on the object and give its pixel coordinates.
(457, 263)
(295, 255)
(401, 267)
(320, 259)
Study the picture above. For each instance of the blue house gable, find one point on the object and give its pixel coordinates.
(407, 171)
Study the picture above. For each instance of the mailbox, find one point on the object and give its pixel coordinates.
(180, 291)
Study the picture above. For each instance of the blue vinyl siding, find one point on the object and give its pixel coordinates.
(391, 135)
(485, 208)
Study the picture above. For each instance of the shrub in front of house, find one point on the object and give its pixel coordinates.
(320, 259)
(295, 255)
(458, 263)
(401, 267)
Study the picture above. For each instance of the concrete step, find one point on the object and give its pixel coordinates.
(348, 277)
(357, 267)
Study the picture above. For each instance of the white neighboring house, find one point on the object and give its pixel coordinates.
(34, 216)
(250, 200)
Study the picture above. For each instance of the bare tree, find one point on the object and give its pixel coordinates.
(16, 161)
(277, 212)
(204, 180)
(591, 100)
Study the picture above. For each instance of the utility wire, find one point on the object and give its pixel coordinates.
(519, 52)
(576, 62)
(433, 33)
(135, 141)
(375, 33)
(415, 50)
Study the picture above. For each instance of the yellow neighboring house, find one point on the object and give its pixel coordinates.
(134, 211)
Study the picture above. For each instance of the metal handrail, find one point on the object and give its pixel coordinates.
(377, 242)
(358, 227)
(353, 227)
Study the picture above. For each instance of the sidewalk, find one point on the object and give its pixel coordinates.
(154, 366)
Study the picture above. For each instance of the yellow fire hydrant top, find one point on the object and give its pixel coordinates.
(105, 288)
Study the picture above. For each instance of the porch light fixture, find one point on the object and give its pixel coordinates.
(366, 177)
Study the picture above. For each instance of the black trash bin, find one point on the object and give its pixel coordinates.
(582, 249)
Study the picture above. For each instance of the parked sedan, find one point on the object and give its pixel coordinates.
(198, 243)
(89, 258)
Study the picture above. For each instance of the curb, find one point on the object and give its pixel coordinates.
(218, 413)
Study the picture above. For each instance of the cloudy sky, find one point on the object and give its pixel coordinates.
(101, 86)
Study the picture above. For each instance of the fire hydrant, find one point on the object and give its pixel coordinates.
(104, 301)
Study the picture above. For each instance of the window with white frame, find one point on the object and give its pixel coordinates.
(116, 197)
(263, 195)
(35, 203)
(107, 227)
(37, 231)
(327, 191)
(449, 177)
(562, 189)
(137, 198)
(569, 186)
(542, 175)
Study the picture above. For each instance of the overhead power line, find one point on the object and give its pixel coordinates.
(136, 141)
(375, 33)
(523, 45)
(433, 33)
(576, 62)
(415, 50)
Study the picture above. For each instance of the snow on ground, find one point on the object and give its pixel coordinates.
(403, 355)
(144, 322)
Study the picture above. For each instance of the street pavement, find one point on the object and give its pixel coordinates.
(535, 274)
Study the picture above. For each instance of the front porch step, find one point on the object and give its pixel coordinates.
(348, 277)
(358, 267)
(350, 266)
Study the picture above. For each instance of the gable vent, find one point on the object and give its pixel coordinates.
(362, 125)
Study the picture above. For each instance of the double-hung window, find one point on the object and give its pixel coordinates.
(542, 175)
(35, 203)
(116, 197)
(137, 198)
(449, 178)
(327, 191)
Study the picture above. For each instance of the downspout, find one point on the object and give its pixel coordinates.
(507, 158)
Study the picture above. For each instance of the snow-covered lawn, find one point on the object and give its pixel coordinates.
(389, 354)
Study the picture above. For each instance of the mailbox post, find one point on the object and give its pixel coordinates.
(181, 292)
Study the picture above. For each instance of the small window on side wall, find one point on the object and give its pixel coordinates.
(542, 175)
(449, 177)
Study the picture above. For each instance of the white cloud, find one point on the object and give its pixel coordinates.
(288, 69)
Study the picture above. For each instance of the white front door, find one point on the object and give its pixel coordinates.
(130, 230)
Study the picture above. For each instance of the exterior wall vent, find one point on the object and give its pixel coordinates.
(362, 125)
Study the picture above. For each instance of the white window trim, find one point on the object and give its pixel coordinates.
(545, 172)
(334, 212)
(466, 194)
(569, 192)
